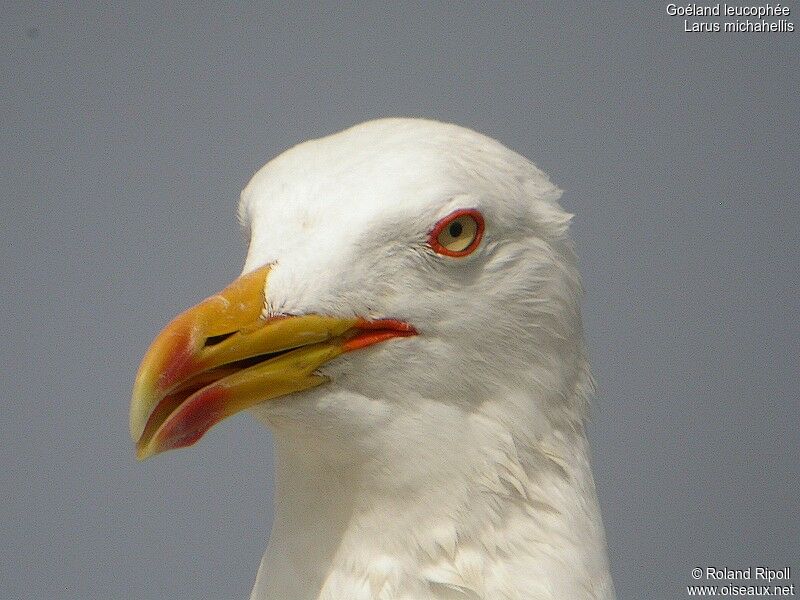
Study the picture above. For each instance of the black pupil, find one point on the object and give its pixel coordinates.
(456, 229)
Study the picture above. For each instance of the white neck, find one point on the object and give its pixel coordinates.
(462, 508)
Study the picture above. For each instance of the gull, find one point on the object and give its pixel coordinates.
(408, 325)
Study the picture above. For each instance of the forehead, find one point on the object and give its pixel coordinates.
(308, 183)
(380, 165)
(361, 175)
(401, 174)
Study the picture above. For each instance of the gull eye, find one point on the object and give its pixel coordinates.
(458, 234)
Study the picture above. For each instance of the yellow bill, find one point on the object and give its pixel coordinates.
(223, 356)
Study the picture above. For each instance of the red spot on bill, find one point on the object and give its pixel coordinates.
(192, 419)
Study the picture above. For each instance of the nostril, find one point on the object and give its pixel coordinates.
(218, 339)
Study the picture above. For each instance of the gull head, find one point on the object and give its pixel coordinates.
(397, 264)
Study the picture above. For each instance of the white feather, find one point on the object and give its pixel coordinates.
(452, 464)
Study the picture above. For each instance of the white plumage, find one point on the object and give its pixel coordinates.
(448, 465)
(408, 324)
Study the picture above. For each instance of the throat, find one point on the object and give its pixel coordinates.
(473, 515)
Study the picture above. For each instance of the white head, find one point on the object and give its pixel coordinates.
(345, 222)
(452, 458)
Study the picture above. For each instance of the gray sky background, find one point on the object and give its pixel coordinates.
(128, 131)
